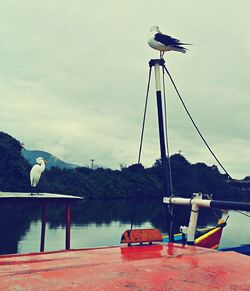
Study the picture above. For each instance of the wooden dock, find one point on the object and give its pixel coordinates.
(43, 199)
(47, 197)
(155, 267)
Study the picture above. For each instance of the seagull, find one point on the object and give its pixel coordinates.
(36, 171)
(163, 42)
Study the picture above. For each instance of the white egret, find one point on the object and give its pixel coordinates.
(36, 171)
(163, 42)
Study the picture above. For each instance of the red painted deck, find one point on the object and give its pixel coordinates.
(157, 267)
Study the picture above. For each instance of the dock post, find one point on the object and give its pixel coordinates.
(43, 228)
(67, 238)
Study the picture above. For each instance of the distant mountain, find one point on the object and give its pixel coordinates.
(53, 161)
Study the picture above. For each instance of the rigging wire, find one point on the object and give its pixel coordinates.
(141, 140)
(144, 116)
(194, 124)
(170, 211)
(240, 212)
(214, 213)
(170, 208)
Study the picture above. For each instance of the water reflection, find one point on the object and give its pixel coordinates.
(94, 223)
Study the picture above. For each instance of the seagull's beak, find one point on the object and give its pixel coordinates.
(46, 162)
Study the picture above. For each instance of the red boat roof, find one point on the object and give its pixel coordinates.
(155, 267)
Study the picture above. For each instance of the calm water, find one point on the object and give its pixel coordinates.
(101, 223)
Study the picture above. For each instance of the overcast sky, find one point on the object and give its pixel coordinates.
(73, 79)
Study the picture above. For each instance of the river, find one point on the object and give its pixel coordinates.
(101, 223)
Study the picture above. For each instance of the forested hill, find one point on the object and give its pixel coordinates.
(14, 169)
(132, 181)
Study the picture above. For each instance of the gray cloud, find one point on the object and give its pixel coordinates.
(73, 78)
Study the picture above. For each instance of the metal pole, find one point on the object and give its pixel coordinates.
(230, 205)
(43, 228)
(67, 238)
(165, 174)
(157, 63)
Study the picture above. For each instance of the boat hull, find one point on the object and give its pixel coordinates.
(156, 267)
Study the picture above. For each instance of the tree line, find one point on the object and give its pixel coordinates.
(133, 181)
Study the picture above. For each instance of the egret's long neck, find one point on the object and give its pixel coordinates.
(42, 166)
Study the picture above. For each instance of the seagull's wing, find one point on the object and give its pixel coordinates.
(169, 41)
(166, 39)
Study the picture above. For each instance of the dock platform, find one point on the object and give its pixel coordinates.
(46, 197)
(43, 199)
(150, 267)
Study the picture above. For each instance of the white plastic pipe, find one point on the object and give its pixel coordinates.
(157, 77)
(195, 202)
(187, 201)
(192, 224)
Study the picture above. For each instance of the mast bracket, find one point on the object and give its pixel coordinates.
(154, 62)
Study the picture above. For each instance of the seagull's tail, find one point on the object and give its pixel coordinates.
(180, 49)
